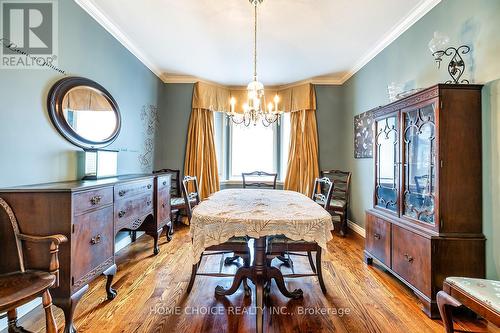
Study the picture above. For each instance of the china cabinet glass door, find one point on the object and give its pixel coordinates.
(419, 154)
(387, 163)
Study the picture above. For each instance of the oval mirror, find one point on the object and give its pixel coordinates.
(84, 112)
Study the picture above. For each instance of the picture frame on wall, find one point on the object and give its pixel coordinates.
(363, 135)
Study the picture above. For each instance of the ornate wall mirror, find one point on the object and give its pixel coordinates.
(84, 112)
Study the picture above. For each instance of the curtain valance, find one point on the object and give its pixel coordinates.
(217, 98)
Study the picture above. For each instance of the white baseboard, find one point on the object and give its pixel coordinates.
(26, 308)
(356, 228)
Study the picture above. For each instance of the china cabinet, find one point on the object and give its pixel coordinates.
(426, 220)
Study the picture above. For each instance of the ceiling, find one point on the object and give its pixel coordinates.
(323, 40)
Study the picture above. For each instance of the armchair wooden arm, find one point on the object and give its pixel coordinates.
(55, 240)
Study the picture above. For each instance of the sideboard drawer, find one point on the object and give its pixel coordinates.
(92, 243)
(378, 238)
(164, 183)
(131, 209)
(88, 200)
(131, 189)
(411, 258)
(163, 206)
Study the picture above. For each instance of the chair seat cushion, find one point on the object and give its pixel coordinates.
(18, 287)
(282, 239)
(486, 292)
(176, 202)
(337, 203)
(237, 240)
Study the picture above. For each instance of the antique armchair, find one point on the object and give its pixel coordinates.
(268, 179)
(339, 203)
(236, 245)
(19, 284)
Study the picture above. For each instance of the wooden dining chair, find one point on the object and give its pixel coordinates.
(191, 198)
(282, 248)
(177, 203)
(18, 283)
(339, 204)
(278, 245)
(323, 191)
(238, 246)
(269, 183)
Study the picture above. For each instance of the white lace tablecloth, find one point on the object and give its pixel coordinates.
(256, 213)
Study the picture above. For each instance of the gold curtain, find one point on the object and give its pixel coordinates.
(303, 166)
(201, 160)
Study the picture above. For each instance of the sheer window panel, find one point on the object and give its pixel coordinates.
(253, 148)
(284, 143)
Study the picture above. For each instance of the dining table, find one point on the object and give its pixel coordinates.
(258, 214)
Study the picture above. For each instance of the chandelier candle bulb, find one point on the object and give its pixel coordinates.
(270, 107)
(233, 103)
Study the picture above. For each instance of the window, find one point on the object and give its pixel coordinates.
(245, 149)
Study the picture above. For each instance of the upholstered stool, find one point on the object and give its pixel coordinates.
(480, 295)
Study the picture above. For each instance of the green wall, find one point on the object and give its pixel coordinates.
(408, 60)
(175, 109)
(31, 149)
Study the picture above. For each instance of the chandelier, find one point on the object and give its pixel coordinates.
(255, 109)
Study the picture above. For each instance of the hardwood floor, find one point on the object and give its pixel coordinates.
(151, 297)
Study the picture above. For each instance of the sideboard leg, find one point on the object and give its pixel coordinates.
(156, 236)
(68, 305)
(110, 274)
(170, 231)
(368, 259)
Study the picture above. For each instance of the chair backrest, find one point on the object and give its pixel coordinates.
(175, 181)
(190, 198)
(421, 182)
(341, 183)
(323, 191)
(268, 179)
(9, 238)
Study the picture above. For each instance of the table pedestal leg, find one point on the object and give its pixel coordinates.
(261, 275)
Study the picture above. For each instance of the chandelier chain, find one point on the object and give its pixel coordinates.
(255, 44)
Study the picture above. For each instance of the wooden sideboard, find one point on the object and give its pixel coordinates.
(426, 220)
(89, 214)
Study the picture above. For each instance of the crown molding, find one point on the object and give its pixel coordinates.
(423, 8)
(176, 78)
(96, 13)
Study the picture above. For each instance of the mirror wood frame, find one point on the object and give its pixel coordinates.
(55, 109)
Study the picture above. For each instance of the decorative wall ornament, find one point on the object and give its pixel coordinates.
(363, 135)
(456, 66)
(149, 118)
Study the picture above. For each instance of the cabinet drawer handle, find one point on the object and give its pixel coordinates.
(95, 240)
(121, 213)
(149, 186)
(408, 257)
(376, 236)
(163, 205)
(122, 193)
(164, 182)
(95, 200)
